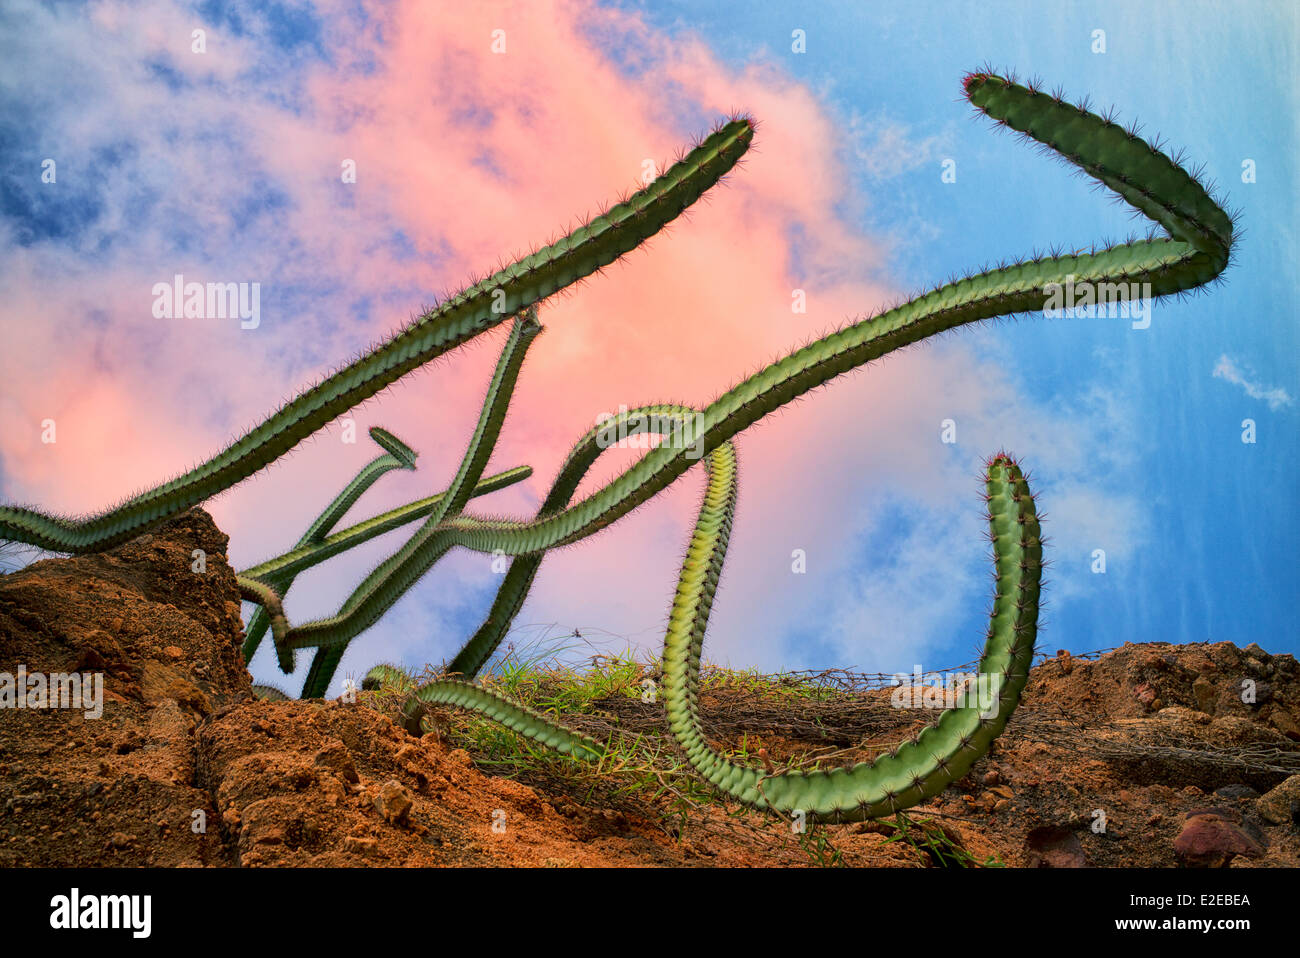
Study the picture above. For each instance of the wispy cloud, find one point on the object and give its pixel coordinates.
(1276, 397)
(887, 148)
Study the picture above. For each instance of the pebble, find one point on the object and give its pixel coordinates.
(1209, 841)
(1281, 805)
(393, 801)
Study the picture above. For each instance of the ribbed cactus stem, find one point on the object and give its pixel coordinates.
(452, 323)
(1196, 251)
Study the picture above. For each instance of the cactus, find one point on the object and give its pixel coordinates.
(455, 321)
(396, 455)
(1194, 251)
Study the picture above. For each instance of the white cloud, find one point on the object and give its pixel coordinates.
(1276, 397)
(887, 148)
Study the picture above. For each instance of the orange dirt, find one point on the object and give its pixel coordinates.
(1155, 738)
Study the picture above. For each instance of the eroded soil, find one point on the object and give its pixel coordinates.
(1149, 755)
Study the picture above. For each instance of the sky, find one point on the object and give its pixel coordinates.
(225, 164)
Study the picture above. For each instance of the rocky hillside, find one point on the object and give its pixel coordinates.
(1147, 755)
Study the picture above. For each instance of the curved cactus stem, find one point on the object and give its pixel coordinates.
(390, 580)
(265, 595)
(458, 319)
(1196, 252)
(916, 770)
(494, 705)
(305, 557)
(660, 419)
(269, 693)
(397, 455)
(387, 676)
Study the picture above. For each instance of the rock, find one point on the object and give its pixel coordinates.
(1175, 713)
(1205, 693)
(1211, 841)
(1281, 805)
(991, 777)
(1236, 791)
(1145, 694)
(394, 802)
(1255, 667)
(407, 753)
(1284, 723)
(335, 792)
(336, 757)
(365, 847)
(1054, 846)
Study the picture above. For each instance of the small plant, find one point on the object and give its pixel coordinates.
(931, 839)
(820, 851)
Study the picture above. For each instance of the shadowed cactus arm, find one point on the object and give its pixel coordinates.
(306, 556)
(269, 693)
(510, 713)
(396, 455)
(1196, 252)
(270, 600)
(458, 319)
(390, 580)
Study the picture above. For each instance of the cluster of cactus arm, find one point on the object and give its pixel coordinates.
(1194, 250)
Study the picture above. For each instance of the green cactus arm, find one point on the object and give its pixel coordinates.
(397, 455)
(321, 671)
(458, 319)
(305, 557)
(494, 705)
(269, 693)
(917, 769)
(390, 580)
(268, 597)
(1197, 251)
(518, 580)
(387, 676)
